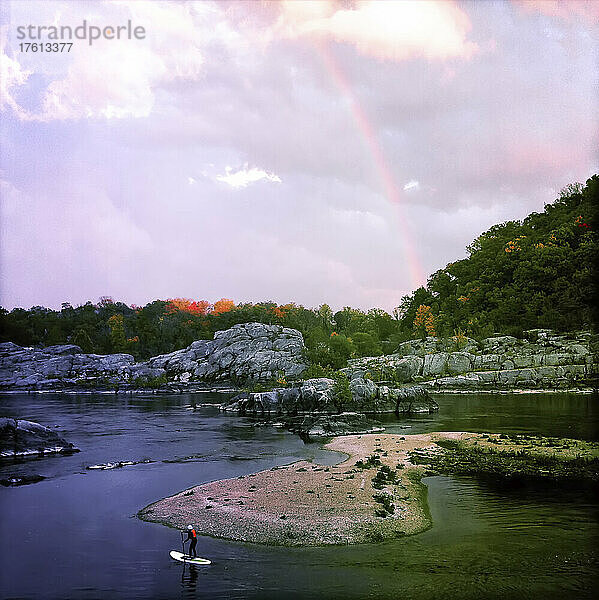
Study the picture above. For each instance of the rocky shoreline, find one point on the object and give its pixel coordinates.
(543, 360)
(375, 494)
(275, 356)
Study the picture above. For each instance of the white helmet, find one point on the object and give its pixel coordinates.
(189, 527)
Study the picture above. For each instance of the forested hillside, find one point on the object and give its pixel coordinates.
(540, 272)
(517, 276)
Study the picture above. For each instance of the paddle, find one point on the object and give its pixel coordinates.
(182, 542)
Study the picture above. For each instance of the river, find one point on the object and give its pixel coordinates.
(76, 535)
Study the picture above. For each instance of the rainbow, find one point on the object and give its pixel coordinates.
(390, 187)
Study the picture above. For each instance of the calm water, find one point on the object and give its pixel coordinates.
(75, 534)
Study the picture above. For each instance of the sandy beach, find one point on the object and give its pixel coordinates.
(308, 504)
(375, 494)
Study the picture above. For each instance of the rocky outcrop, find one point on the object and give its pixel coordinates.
(248, 352)
(544, 360)
(318, 396)
(255, 352)
(313, 427)
(57, 367)
(20, 438)
(251, 351)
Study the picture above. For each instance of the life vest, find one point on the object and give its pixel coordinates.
(193, 533)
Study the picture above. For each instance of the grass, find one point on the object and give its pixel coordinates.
(372, 461)
(531, 462)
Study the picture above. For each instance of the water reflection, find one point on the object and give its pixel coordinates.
(560, 415)
(189, 580)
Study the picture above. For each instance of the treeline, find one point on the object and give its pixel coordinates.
(166, 325)
(518, 275)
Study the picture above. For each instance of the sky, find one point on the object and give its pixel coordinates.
(332, 152)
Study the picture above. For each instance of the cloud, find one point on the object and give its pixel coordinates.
(83, 239)
(245, 176)
(115, 78)
(587, 10)
(394, 29)
(411, 186)
(121, 78)
(12, 76)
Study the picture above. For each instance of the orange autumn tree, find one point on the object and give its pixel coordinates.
(282, 310)
(193, 307)
(223, 305)
(424, 321)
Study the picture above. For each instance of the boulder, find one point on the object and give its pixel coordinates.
(524, 360)
(487, 362)
(312, 395)
(317, 395)
(499, 342)
(19, 437)
(363, 391)
(313, 427)
(556, 359)
(460, 362)
(9, 348)
(407, 368)
(435, 364)
(63, 349)
(414, 399)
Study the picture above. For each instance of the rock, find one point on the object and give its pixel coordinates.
(117, 465)
(460, 362)
(363, 391)
(556, 359)
(504, 363)
(9, 348)
(415, 399)
(391, 367)
(487, 362)
(265, 403)
(499, 342)
(255, 352)
(369, 397)
(317, 395)
(432, 345)
(508, 376)
(63, 349)
(524, 360)
(407, 368)
(435, 364)
(579, 349)
(312, 395)
(248, 352)
(16, 480)
(26, 438)
(314, 427)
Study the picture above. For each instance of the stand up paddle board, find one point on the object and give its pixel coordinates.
(185, 558)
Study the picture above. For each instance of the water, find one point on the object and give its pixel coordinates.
(75, 534)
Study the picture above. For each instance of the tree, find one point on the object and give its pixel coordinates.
(199, 307)
(366, 345)
(118, 341)
(424, 321)
(223, 305)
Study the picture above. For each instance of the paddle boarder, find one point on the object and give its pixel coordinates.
(192, 537)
